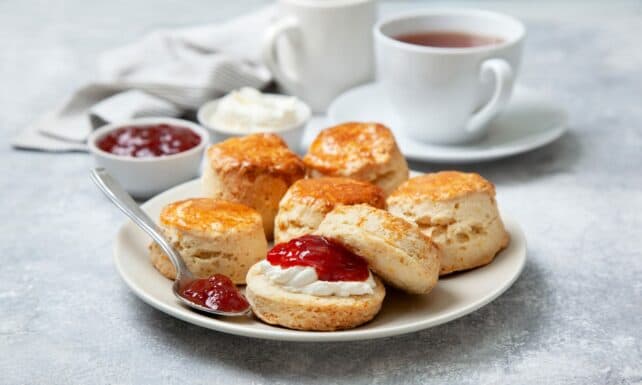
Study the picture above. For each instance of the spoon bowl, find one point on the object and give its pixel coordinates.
(177, 287)
(119, 197)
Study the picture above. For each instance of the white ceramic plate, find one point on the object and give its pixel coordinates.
(454, 296)
(529, 121)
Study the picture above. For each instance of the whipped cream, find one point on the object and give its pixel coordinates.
(304, 279)
(248, 110)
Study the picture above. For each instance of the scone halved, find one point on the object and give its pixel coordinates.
(363, 151)
(277, 306)
(395, 249)
(308, 201)
(458, 211)
(212, 236)
(255, 170)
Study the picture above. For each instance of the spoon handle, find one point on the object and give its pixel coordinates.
(127, 205)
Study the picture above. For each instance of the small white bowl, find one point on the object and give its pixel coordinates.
(292, 134)
(144, 177)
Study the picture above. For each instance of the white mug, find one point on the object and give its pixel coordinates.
(319, 48)
(448, 95)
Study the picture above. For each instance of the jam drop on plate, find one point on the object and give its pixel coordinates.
(331, 260)
(217, 292)
(149, 141)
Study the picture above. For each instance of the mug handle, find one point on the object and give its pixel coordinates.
(503, 75)
(287, 27)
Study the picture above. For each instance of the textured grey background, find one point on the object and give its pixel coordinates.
(574, 316)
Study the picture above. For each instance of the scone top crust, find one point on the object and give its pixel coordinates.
(332, 191)
(444, 185)
(256, 154)
(209, 216)
(396, 250)
(396, 229)
(349, 148)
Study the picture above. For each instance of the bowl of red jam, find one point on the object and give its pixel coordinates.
(150, 155)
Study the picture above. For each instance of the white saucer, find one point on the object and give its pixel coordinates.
(454, 296)
(529, 121)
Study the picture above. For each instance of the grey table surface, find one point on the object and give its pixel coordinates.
(574, 316)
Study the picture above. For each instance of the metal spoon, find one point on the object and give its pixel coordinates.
(127, 205)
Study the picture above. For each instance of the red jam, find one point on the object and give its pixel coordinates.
(217, 292)
(149, 141)
(331, 260)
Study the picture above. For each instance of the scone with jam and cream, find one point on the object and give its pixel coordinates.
(314, 283)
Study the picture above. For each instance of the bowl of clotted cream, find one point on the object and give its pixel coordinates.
(247, 111)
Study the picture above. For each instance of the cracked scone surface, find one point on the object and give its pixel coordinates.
(458, 211)
(212, 236)
(308, 201)
(255, 170)
(395, 249)
(360, 150)
(277, 306)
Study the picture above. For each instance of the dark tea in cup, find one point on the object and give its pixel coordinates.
(448, 39)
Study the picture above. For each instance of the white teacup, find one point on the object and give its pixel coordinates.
(448, 95)
(319, 48)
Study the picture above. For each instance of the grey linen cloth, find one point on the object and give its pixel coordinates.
(163, 74)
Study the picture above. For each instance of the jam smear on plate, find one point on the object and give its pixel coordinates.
(217, 292)
(331, 260)
(149, 141)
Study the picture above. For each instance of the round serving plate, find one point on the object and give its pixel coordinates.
(454, 297)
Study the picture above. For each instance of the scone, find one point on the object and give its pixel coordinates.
(308, 201)
(255, 170)
(458, 211)
(363, 151)
(328, 288)
(395, 249)
(212, 236)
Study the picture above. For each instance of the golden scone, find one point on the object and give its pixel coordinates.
(308, 201)
(363, 151)
(255, 170)
(212, 236)
(458, 211)
(277, 306)
(395, 249)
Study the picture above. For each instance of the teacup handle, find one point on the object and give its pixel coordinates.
(503, 75)
(287, 27)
